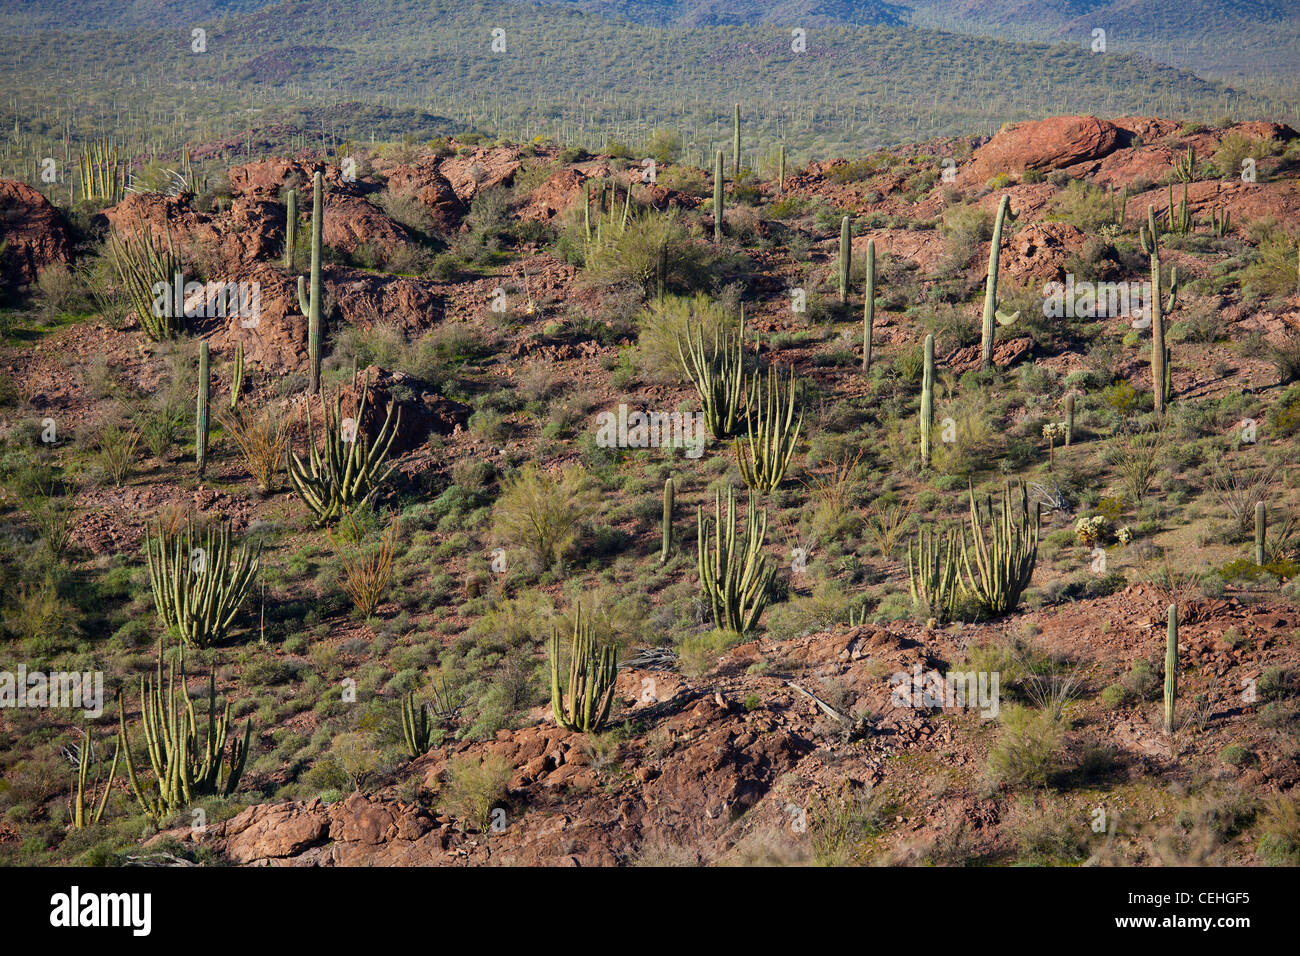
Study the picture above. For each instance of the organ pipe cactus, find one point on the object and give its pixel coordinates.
(932, 573)
(999, 570)
(734, 572)
(83, 789)
(142, 263)
(102, 173)
(773, 431)
(927, 401)
(583, 704)
(185, 766)
(201, 414)
(869, 306)
(416, 730)
(310, 304)
(198, 584)
(718, 375)
(348, 468)
(991, 311)
(1171, 668)
(1185, 166)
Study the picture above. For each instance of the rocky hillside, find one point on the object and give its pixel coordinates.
(498, 297)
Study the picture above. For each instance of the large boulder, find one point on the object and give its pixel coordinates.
(33, 233)
(1043, 145)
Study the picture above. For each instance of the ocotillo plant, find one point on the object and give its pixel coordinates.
(1151, 246)
(84, 790)
(772, 429)
(197, 587)
(734, 572)
(1261, 530)
(1002, 568)
(142, 262)
(184, 766)
(584, 704)
(869, 306)
(927, 401)
(932, 573)
(718, 376)
(416, 730)
(846, 258)
(991, 312)
(735, 145)
(666, 528)
(1171, 668)
(311, 304)
(1069, 419)
(201, 415)
(348, 469)
(718, 198)
(290, 226)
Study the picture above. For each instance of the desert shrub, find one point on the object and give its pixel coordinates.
(1279, 832)
(405, 208)
(542, 514)
(1235, 147)
(1085, 206)
(1028, 752)
(474, 787)
(964, 227)
(1270, 270)
(632, 255)
(664, 323)
(697, 654)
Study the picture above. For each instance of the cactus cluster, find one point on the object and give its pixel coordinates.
(101, 173)
(142, 262)
(84, 789)
(772, 430)
(348, 468)
(734, 572)
(583, 702)
(198, 584)
(185, 765)
(718, 374)
(997, 568)
(417, 732)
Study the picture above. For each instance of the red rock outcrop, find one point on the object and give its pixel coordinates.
(33, 232)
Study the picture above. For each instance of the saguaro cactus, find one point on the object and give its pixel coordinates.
(869, 306)
(780, 181)
(1069, 419)
(735, 144)
(311, 305)
(991, 312)
(1261, 529)
(1150, 238)
(201, 416)
(718, 198)
(1171, 668)
(927, 401)
(846, 257)
(290, 226)
(666, 528)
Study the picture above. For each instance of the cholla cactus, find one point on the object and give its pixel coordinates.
(1124, 536)
(1054, 432)
(1090, 531)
